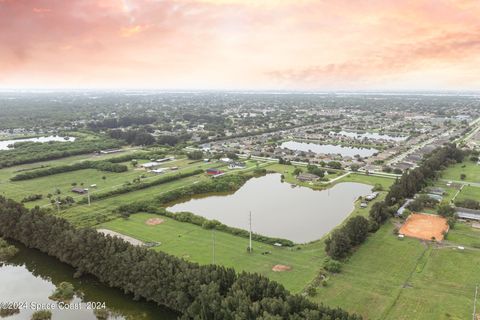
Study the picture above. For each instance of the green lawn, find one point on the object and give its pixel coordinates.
(368, 179)
(469, 168)
(195, 244)
(469, 192)
(392, 279)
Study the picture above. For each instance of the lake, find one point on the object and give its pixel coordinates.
(5, 143)
(328, 149)
(370, 135)
(32, 276)
(278, 209)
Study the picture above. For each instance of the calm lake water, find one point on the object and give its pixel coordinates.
(32, 276)
(328, 149)
(4, 144)
(279, 210)
(370, 135)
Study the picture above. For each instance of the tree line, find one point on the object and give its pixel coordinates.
(35, 151)
(137, 137)
(103, 165)
(198, 292)
(342, 241)
(139, 186)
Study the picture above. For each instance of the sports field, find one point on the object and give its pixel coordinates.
(195, 244)
(424, 227)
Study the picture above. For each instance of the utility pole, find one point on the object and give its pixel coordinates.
(250, 249)
(475, 303)
(88, 195)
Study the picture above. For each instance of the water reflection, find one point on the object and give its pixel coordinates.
(299, 214)
(32, 276)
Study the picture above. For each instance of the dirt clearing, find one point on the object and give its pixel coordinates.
(128, 239)
(424, 226)
(281, 268)
(154, 221)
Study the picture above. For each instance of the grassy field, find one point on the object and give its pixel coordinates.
(389, 278)
(372, 180)
(195, 244)
(469, 168)
(469, 192)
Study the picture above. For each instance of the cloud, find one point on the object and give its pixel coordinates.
(241, 44)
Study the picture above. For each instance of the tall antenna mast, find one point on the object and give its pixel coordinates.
(250, 244)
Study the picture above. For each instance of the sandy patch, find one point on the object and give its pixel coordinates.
(154, 221)
(424, 226)
(128, 239)
(281, 268)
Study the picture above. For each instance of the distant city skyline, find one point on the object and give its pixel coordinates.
(287, 45)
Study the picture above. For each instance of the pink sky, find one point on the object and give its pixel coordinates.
(241, 44)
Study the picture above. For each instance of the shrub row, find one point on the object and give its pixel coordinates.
(140, 186)
(99, 165)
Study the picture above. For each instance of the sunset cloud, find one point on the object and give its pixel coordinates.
(246, 44)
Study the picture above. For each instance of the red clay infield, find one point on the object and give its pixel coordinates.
(424, 226)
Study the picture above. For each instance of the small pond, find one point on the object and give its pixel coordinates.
(4, 145)
(328, 149)
(278, 209)
(370, 135)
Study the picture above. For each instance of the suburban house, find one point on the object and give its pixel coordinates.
(79, 190)
(469, 214)
(307, 177)
(236, 165)
(150, 165)
(159, 170)
(371, 196)
(214, 172)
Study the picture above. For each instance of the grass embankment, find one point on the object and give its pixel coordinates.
(195, 244)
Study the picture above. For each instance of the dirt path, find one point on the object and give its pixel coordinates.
(128, 239)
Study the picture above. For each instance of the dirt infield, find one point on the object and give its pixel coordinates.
(281, 268)
(154, 221)
(424, 226)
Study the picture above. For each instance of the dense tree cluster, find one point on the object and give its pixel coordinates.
(414, 180)
(140, 185)
(198, 292)
(99, 165)
(468, 203)
(137, 137)
(313, 169)
(122, 122)
(35, 151)
(195, 155)
(421, 202)
(32, 197)
(341, 242)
